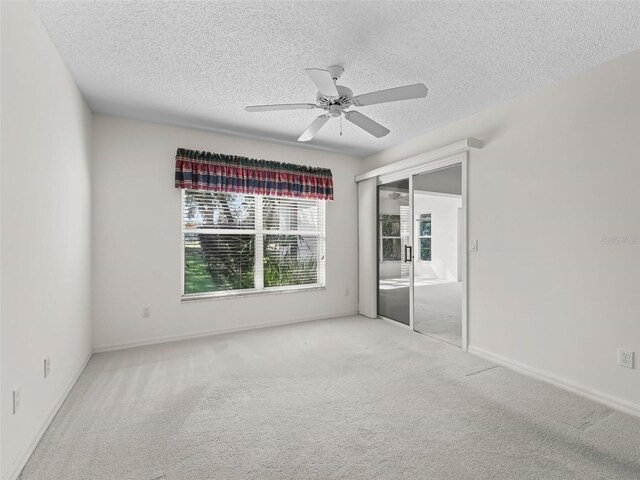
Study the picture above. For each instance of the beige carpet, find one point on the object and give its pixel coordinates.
(348, 398)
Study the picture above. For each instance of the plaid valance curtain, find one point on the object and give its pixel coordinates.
(228, 173)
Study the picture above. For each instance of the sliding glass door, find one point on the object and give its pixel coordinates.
(394, 251)
(421, 251)
(437, 267)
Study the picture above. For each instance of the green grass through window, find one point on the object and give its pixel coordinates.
(196, 276)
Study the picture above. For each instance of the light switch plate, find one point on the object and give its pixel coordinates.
(16, 399)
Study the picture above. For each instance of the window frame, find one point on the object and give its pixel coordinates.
(259, 233)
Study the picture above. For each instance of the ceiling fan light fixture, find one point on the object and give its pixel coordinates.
(334, 110)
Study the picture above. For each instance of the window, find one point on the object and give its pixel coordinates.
(425, 237)
(391, 241)
(250, 243)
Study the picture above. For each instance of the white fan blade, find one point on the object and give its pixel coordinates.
(283, 106)
(323, 80)
(314, 128)
(417, 90)
(366, 124)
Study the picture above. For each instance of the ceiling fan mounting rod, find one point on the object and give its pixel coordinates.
(336, 71)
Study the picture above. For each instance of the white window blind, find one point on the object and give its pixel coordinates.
(249, 243)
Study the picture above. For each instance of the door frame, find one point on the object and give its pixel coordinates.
(462, 159)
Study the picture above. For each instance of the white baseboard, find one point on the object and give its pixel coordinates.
(609, 401)
(394, 322)
(21, 461)
(209, 333)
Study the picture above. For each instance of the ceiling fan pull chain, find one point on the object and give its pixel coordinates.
(340, 125)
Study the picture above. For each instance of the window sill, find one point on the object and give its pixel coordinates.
(201, 297)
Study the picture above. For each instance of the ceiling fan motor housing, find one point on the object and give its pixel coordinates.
(344, 100)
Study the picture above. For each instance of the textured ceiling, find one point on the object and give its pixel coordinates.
(200, 63)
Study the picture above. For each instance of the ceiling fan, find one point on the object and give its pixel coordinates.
(335, 100)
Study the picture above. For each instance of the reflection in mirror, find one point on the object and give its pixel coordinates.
(437, 204)
(394, 232)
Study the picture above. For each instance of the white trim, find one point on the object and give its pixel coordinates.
(180, 229)
(412, 263)
(393, 178)
(422, 158)
(461, 247)
(438, 194)
(395, 322)
(438, 164)
(230, 294)
(211, 333)
(20, 462)
(463, 261)
(608, 400)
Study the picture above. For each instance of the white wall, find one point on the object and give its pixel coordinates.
(45, 231)
(559, 173)
(137, 237)
(444, 236)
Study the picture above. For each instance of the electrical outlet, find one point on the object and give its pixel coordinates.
(47, 367)
(625, 358)
(146, 312)
(16, 399)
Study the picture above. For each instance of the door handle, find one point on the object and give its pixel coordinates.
(408, 253)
